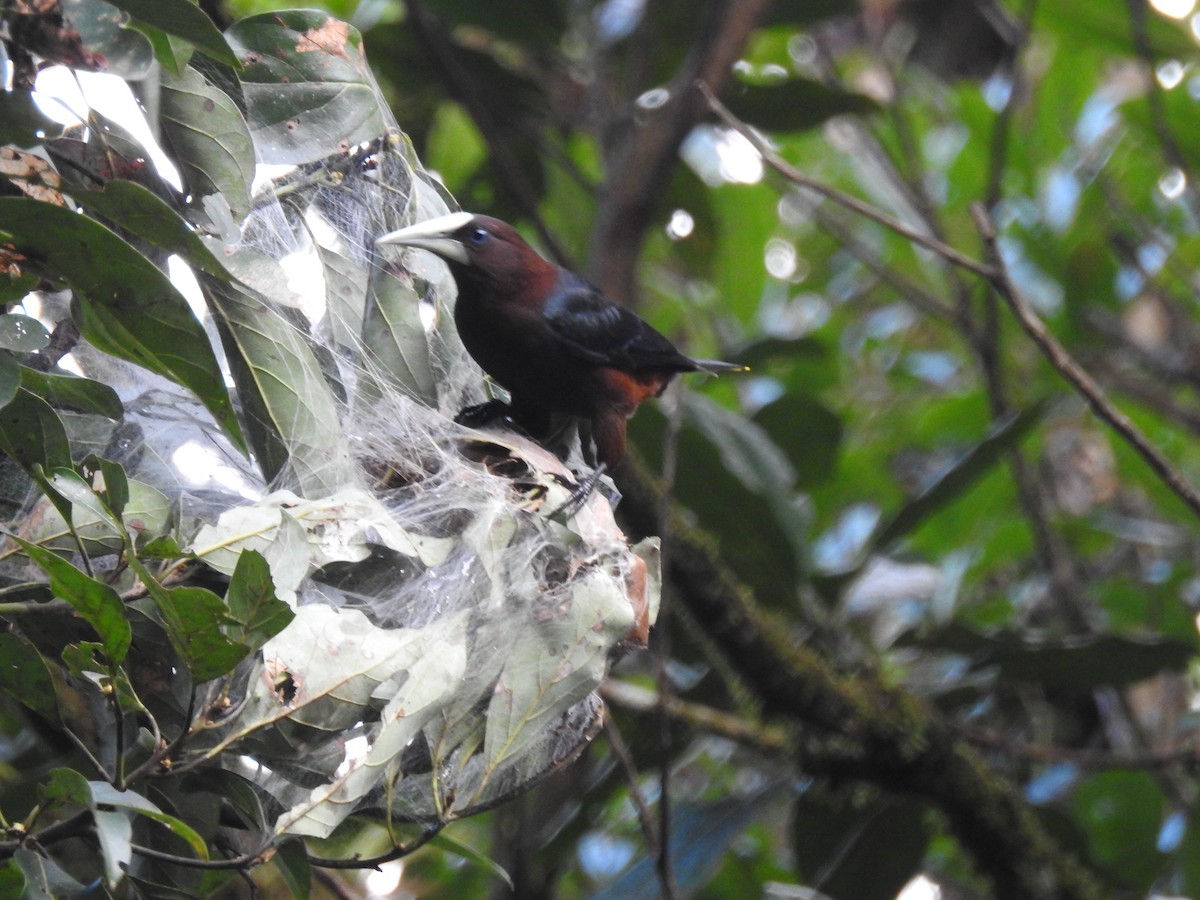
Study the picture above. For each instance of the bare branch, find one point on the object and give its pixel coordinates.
(795, 176)
(1083, 382)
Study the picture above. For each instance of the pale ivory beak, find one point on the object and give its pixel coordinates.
(434, 235)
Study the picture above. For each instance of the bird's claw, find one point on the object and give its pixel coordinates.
(580, 493)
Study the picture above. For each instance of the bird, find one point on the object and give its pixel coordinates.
(548, 336)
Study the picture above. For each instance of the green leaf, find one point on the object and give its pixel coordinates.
(83, 660)
(104, 794)
(307, 85)
(10, 378)
(291, 859)
(32, 433)
(957, 479)
(22, 123)
(66, 786)
(454, 148)
(183, 19)
(125, 306)
(89, 498)
(65, 391)
(22, 334)
(195, 618)
(172, 53)
(448, 842)
(25, 675)
(164, 547)
(211, 140)
(252, 602)
(133, 208)
(12, 880)
(794, 105)
(291, 416)
(108, 480)
(395, 336)
(94, 600)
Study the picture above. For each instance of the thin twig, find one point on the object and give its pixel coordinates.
(374, 862)
(171, 749)
(794, 175)
(237, 862)
(1083, 382)
(644, 814)
(763, 738)
(1083, 757)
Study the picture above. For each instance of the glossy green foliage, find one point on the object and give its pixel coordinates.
(902, 479)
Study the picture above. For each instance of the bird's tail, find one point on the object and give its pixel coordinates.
(716, 367)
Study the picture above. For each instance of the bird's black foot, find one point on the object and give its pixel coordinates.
(580, 493)
(482, 414)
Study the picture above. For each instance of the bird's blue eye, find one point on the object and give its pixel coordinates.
(478, 235)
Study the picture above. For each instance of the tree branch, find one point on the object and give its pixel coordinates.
(638, 171)
(858, 727)
(1083, 382)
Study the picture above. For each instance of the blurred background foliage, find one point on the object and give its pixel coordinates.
(912, 495)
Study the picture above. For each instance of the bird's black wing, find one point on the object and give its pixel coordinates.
(599, 331)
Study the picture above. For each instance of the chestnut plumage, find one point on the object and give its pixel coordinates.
(548, 336)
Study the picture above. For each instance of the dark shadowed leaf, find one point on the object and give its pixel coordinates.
(859, 852)
(181, 19)
(10, 378)
(807, 431)
(1084, 662)
(94, 600)
(794, 105)
(25, 676)
(291, 859)
(744, 521)
(805, 12)
(21, 122)
(32, 434)
(64, 391)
